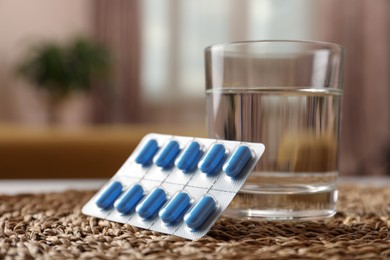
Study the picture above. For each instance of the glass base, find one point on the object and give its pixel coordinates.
(278, 215)
(281, 198)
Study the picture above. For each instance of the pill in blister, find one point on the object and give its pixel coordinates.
(175, 208)
(152, 203)
(148, 151)
(213, 160)
(189, 159)
(236, 163)
(110, 194)
(200, 212)
(130, 199)
(176, 184)
(168, 154)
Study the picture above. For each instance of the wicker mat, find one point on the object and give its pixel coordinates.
(51, 226)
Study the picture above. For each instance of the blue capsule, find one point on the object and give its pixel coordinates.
(147, 153)
(152, 203)
(190, 157)
(213, 160)
(130, 199)
(200, 212)
(175, 208)
(108, 197)
(168, 154)
(237, 161)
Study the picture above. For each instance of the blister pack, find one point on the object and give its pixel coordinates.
(176, 185)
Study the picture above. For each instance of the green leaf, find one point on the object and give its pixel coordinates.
(61, 69)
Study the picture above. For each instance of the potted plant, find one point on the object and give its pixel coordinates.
(60, 70)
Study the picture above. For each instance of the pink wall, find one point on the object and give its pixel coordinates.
(23, 23)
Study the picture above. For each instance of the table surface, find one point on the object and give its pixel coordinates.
(51, 226)
(12, 187)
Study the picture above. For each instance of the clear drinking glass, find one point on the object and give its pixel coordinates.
(287, 95)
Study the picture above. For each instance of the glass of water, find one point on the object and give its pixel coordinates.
(287, 95)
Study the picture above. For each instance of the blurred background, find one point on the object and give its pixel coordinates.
(82, 81)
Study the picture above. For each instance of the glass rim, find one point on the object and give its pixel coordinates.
(328, 45)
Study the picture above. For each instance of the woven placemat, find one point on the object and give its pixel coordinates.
(52, 226)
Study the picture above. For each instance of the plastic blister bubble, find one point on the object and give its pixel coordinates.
(176, 185)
